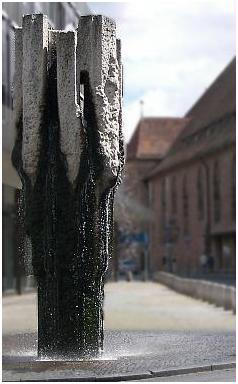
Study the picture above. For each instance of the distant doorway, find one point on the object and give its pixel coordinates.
(224, 253)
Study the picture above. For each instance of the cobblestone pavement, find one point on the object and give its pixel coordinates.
(140, 353)
(132, 306)
(148, 328)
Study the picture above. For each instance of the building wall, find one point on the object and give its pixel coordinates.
(183, 243)
(136, 188)
(132, 207)
(8, 234)
(151, 140)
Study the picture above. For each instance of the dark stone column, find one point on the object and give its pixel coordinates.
(68, 214)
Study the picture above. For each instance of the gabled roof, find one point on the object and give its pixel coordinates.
(218, 100)
(211, 125)
(153, 137)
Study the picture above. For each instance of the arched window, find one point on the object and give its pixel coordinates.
(174, 195)
(163, 209)
(216, 192)
(200, 194)
(233, 190)
(185, 206)
(163, 197)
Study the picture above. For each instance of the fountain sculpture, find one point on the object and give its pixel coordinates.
(69, 155)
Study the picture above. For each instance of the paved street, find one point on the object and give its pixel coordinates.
(132, 306)
(226, 375)
(149, 328)
(143, 306)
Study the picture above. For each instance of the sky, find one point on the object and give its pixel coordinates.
(172, 50)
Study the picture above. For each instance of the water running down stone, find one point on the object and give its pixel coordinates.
(69, 155)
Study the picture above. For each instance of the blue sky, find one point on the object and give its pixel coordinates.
(172, 50)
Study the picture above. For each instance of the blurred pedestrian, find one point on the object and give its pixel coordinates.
(210, 263)
(203, 262)
(174, 265)
(129, 275)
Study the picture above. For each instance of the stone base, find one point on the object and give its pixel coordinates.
(127, 355)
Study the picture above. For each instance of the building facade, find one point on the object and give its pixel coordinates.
(193, 190)
(61, 16)
(150, 142)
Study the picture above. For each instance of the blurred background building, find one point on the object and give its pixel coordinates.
(184, 172)
(61, 16)
(148, 146)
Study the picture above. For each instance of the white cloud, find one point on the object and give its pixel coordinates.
(156, 103)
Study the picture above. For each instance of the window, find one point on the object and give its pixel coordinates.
(163, 209)
(216, 192)
(45, 8)
(200, 194)
(7, 63)
(163, 197)
(233, 190)
(11, 34)
(174, 195)
(60, 16)
(150, 193)
(185, 206)
(52, 13)
(28, 7)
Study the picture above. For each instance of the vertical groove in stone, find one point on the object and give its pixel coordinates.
(70, 124)
(35, 46)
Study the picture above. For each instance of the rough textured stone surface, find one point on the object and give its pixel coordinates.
(70, 141)
(70, 161)
(35, 46)
(97, 59)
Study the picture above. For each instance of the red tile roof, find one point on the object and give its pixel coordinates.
(153, 137)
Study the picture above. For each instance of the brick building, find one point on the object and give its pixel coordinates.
(150, 142)
(193, 189)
